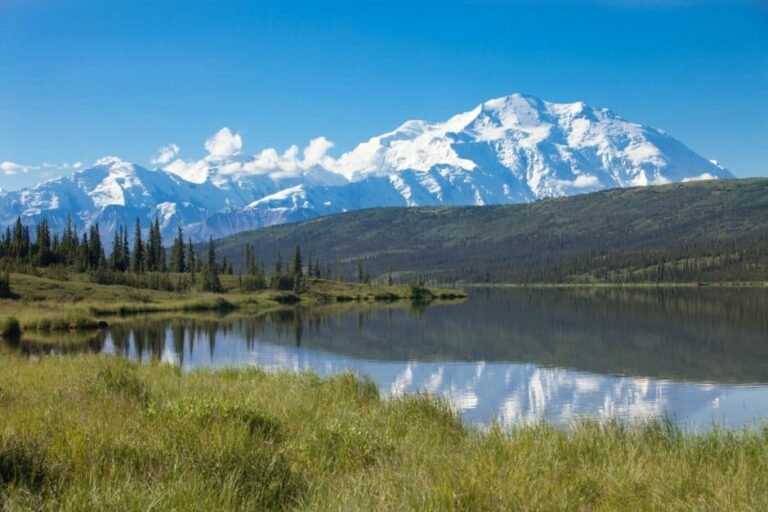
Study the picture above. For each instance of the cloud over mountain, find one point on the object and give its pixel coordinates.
(512, 149)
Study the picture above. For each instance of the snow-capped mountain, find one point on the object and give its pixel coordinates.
(507, 150)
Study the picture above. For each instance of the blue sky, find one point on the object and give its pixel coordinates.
(81, 79)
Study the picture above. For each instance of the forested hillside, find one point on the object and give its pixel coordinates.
(699, 231)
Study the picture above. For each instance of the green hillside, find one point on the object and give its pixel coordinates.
(701, 231)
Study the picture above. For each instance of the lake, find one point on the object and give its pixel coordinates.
(696, 355)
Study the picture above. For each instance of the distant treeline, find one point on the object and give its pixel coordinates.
(146, 263)
(693, 232)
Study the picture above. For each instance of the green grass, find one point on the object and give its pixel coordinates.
(49, 304)
(99, 433)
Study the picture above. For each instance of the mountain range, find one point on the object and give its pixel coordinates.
(514, 149)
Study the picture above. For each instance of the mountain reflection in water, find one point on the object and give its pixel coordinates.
(699, 356)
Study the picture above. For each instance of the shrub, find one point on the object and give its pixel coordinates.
(5, 286)
(9, 327)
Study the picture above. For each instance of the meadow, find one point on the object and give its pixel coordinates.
(100, 433)
(96, 432)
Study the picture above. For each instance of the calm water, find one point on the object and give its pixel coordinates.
(699, 356)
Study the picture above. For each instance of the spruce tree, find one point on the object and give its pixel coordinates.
(211, 253)
(210, 282)
(277, 274)
(115, 258)
(5, 285)
(296, 263)
(248, 258)
(43, 241)
(137, 258)
(160, 265)
(191, 259)
(126, 250)
(95, 249)
(177, 253)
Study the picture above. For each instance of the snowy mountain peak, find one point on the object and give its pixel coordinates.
(510, 149)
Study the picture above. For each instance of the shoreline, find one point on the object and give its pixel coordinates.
(45, 305)
(735, 284)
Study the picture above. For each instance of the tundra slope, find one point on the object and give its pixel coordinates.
(682, 232)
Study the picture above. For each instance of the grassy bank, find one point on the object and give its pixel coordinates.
(599, 284)
(47, 304)
(90, 432)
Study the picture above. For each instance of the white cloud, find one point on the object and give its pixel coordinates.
(315, 152)
(165, 154)
(45, 170)
(109, 160)
(585, 181)
(11, 168)
(582, 181)
(224, 152)
(700, 177)
(194, 171)
(224, 143)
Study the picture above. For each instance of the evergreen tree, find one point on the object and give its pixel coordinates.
(177, 253)
(69, 242)
(137, 258)
(280, 280)
(211, 253)
(55, 247)
(160, 265)
(95, 253)
(248, 258)
(191, 259)
(126, 250)
(253, 266)
(43, 241)
(5, 285)
(210, 280)
(116, 256)
(83, 258)
(296, 263)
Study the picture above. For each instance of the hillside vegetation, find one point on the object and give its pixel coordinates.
(700, 231)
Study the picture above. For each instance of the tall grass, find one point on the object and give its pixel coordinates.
(94, 432)
(60, 322)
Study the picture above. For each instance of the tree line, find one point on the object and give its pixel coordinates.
(144, 261)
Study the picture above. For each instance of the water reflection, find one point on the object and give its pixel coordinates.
(58, 343)
(697, 355)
